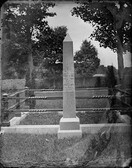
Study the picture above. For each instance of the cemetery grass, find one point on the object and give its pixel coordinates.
(53, 118)
(36, 150)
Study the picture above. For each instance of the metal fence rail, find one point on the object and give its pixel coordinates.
(77, 109)
(61, 97)
(30, 100)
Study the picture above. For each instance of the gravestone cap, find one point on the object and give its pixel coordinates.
(67, 38)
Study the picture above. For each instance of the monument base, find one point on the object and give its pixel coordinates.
(69, 123)
(69, 127)
(69, 134)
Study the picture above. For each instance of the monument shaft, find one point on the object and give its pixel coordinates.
(69, 103)
(69, 123)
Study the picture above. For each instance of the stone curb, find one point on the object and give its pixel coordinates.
(17, 120)
(53, 129)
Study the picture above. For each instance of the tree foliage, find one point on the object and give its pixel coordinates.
(28, 33)
(86, 60)
(49, 50)
(26, 20)
(22, 23)
(108, 18)
(112, 25)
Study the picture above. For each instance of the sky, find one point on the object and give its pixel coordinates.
(80, 30)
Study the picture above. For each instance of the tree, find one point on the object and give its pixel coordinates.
(101, 70)
(23, 22)
(111, 77)
(49, 51)
(51, 46)
(86, 60)
(112, 21)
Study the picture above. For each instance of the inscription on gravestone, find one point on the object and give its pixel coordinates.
(68, 81)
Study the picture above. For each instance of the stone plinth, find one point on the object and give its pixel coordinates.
(69, 134)
(69, 123)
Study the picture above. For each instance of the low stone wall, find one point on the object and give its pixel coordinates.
(53, 129)
(80, 103)
(48, 83)
(13, 84)
(16, 120)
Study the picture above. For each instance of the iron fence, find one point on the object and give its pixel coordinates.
(28, 98)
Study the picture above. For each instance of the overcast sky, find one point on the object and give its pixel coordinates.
(79, 31)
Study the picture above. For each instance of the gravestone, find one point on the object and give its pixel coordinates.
(69, 123)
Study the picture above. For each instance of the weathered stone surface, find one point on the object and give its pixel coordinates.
(69, 134)
(69, 104)
(69, 123)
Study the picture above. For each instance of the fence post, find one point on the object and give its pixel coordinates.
(26, 95)
(18, 101)
(5, 112)
(18, 105)
(32, 101)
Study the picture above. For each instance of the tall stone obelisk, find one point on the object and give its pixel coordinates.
(69, 123)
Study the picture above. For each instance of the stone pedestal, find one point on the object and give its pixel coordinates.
(69, 123)
(69, 134)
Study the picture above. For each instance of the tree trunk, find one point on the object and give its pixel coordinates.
(120, 64)
(54, 77)
(29, 76)
(84, 81)
(54, 85)
(4, 53)
(30, 61)
(120, 59)
(1, 17)
(30, 58)
(118, 17)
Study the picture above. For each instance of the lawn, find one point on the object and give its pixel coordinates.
(35, 151)
(53, 118)
(27, 150)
